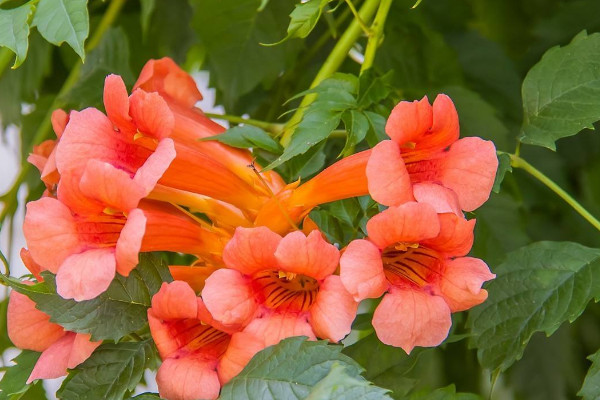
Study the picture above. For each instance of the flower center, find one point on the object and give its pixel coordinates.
(286, 290)
(409, 263)
(197, 336)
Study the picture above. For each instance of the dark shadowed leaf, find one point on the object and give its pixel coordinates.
(447, 393)
(503, 167)
(111, 371)
(591, 386)
(537, 288)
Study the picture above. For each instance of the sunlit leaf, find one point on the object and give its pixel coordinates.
(304, 18)
(537, 288)
(14, 30)
(561, 93)
(14, 380)
(63, 21)
(247, 136)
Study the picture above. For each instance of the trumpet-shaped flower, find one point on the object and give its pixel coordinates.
(280, 287)
(416, 257)
(85, 250)
(199, 354)
(31, 329)
(424, 150)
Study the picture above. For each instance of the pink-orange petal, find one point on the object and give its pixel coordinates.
(53, 361)
(155, 166)
(409, 317)
(461, 282)
(168, 79)
(151, 114)
(110, 186)
(274, 327)
(334, 310)
(28, 327)
(229, 297)
(187, 378)
(388, 179)
(85, 275)
(409, 121)
(116, 103)
(469, 169)
(408, 223)
(442, 199)
(130, 242)
(59, 121)
(251, 250)
(445, 129)
(31, 265)
(175, 300)
(307, 255)
(242, 347)
(361, 270)
(455, 238)
(51, 232)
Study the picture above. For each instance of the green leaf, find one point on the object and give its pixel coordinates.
(63, 21)
(376, 132)
(384, 365)
(13, 384)
(335, 95)
(303, 19)
(111, 56)
(503, 167)
(4, 339)
(357, 126)
(447, 393)
(231, 31)
(338, 385)
(14, 30)
(561, 93)
(537, 288)
(111, 371)
(287, 370)
(115, 313)
(591, 385)
(245, 137)
(373, 88)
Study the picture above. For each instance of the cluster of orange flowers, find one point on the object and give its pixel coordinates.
(137, 178)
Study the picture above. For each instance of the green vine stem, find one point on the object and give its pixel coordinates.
(518, 162)
(377, 34)
(43, 131)
(331, 64)
(274, 129)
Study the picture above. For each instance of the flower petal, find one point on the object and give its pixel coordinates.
(273, 327)
(51, 232)
(155, 166)
(308, 255)
(85, 275)
(116, 103)
(388, 179)
(242, 347)
(442, 199)
(130, 242)
(361, 270)
(461, 282)
(151, 114)
(110, 186)
(229, 297)
(82, 349)
(28, 327)
(187, 378)
(334, 310)
(175, 300)
(409, 121)
(455, 238)
(407, 318)
(469, 169)
(59, 121)
(408, 223)
(251, 250)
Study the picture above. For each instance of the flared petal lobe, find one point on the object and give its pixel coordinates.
(230, 298)
(388, 178)
(334, 310)
(308, 255)
(361, 270)
(408, 318)
(187, 378)
(251, 250)
(461, 283)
